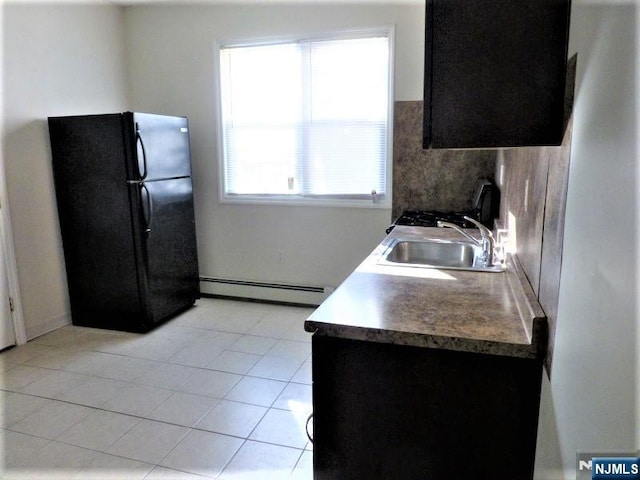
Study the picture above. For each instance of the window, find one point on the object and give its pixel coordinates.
(307, 121)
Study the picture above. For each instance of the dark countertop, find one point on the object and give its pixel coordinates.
(494, 313)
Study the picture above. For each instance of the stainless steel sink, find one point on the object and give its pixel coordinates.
(434, 253)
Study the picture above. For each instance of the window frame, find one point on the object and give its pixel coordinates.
(375, 201)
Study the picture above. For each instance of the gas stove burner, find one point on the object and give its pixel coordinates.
(419, 218)
(431, 218)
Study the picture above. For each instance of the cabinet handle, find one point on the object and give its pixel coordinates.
(306, 428)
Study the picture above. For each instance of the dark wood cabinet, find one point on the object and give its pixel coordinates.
(385, 411)
(495, 73)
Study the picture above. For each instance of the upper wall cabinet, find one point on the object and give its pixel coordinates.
(495, 73)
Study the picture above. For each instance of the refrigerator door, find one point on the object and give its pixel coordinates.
(169, 245)
(161, 147)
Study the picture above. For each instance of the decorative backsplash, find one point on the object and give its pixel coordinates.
(533, 184)
(432, 179)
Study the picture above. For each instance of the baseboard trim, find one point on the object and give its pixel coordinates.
(48, 325)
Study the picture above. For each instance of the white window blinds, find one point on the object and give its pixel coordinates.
(306, 120)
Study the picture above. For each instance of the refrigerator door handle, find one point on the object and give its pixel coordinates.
(141, 153)
(147, 207)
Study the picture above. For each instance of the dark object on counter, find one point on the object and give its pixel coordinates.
(124, 194)
(486, 204)
(495, 73)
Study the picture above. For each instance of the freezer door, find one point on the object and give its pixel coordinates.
(161, 146)
(171, 268)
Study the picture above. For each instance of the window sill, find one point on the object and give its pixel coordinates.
(305, 202)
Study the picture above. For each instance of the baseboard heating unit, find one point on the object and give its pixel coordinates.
(278, 292)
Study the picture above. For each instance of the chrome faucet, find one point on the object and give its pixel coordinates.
(486, 241)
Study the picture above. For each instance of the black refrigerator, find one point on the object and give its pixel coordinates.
(125, 204)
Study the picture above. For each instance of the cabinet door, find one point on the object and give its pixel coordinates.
(385, 411)
(495, 73)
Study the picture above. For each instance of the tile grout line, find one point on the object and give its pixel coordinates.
(137, 381)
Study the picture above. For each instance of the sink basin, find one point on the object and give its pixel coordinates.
(436, 253)
(441, 254)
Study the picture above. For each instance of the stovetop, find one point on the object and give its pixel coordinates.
(430, 218)
(486, 201)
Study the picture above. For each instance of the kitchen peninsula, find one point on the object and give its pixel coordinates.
(427, 373)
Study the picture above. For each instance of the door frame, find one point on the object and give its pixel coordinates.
(17, 314)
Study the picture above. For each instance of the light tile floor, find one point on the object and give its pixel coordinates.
(221, 391)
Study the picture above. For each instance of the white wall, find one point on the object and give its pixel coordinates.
(172, 70)
(57, 60)
(592, 402)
